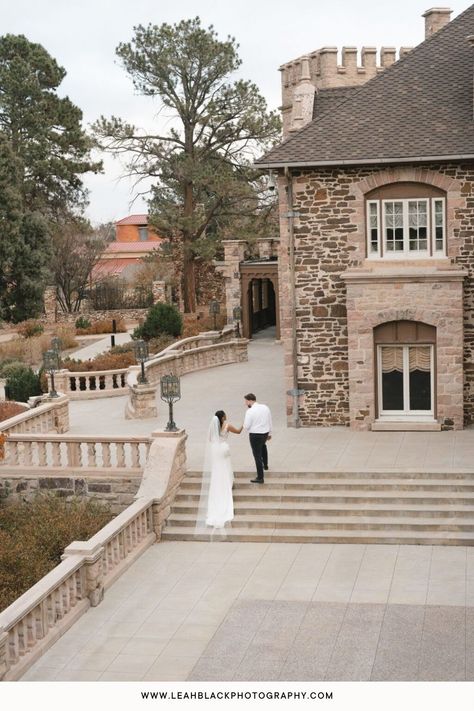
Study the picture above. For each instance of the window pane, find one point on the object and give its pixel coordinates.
(420, 377)
(439, 225)
(418, 224)
(392, 378)
(374, 227)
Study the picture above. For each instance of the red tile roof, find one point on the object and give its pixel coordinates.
(147, 246)
(133, 220)
(111, 267)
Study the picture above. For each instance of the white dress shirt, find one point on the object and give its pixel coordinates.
(258, 419)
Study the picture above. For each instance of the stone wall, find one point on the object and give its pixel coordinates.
(117, 492)
(330, 237)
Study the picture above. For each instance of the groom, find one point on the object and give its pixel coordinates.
(258, 423)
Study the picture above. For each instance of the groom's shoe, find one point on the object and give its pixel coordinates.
(257, 481)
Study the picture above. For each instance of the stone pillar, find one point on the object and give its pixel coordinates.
(265, 248)
(3, 653)
(94, 568)
(234, 253)
(50, 303)
(435, 19)
(3, 382)
(303, 99)
(159, 292)
(141, 404)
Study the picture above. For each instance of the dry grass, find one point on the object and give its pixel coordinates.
(10, 409)
(30, 350)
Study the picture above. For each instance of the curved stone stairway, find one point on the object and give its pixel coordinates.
(425, 508)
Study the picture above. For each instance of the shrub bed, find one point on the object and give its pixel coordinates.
(85, 328)
(10, 409)
(33, 537)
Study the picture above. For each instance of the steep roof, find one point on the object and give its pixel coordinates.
(328, 99)
(419, 108)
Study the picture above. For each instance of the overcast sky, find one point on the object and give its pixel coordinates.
(82, 36)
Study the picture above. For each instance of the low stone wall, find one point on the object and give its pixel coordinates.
(46, 611)
(93, 316)
(93, 384)
(117, 492)
(51, 416)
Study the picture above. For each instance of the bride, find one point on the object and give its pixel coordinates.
(216, 506)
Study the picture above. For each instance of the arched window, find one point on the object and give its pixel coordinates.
(406, 221)
(405, 353)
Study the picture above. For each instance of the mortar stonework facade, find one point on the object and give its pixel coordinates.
(335, 285)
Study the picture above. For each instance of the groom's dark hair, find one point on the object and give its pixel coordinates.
(250, 396)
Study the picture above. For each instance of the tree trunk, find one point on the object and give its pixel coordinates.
(189, 279)
(188, 283)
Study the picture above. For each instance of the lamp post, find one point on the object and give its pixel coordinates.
(170, 393)
(56, 345)
(141, 354)
(51, 364)
(214, 309)
(237, 314)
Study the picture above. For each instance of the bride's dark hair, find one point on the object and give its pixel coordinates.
(220, 414)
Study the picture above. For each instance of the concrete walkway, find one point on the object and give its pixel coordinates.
(100, 346)
(305, 449)
(267, 611)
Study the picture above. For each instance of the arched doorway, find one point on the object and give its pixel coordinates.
(405, 382)
(260, 297)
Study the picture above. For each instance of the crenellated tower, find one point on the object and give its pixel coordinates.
(311, 83)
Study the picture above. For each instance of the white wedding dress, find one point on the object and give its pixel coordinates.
(216, 505)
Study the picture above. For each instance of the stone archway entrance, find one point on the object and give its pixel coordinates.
(259, 281)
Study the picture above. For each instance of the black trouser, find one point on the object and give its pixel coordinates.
(259, 451)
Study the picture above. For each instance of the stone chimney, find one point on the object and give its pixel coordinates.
(303, 98)
(435, 19)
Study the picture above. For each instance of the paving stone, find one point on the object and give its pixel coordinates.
(398, 649)
(443, 649)
(354, 652)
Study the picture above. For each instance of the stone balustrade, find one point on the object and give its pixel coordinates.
(72, 453)
(84, 385)
(198, 353)
(30, 625)
(51, 416)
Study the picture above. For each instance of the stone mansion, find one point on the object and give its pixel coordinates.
(376, 187)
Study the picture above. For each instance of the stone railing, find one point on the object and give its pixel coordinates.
(52, 416)
(198, 353)
(73, 453)
(84, 385)
(91, 384)
(40, 616)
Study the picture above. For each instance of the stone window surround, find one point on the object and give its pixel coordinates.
(407, 174)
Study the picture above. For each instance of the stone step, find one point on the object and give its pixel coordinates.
(468, 475)
(387, 536)
(304, 508)
(346, 522)
(314, 484)
(262, 494)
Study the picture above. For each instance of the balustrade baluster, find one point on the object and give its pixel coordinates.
(42, 460)
(22, 635)
(30, 630)
(91, 454)
(135, 454)
(56, 452)
(14, 644)
(73, 450)
(128, 540)
(38, 614)
(12, 453)
(106, 454)
(50, 609)
(28, 454)
(122, 544)
(72, 590)
(65, 595)
(59, 607)
(120, 449)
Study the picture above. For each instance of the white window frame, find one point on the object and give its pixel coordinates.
(437, 252)
(370, 253)
(431, 251)
(406, 413)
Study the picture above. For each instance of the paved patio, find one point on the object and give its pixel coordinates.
(266, 611)
(305, 449)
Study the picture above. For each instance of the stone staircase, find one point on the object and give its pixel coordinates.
(425, 508)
